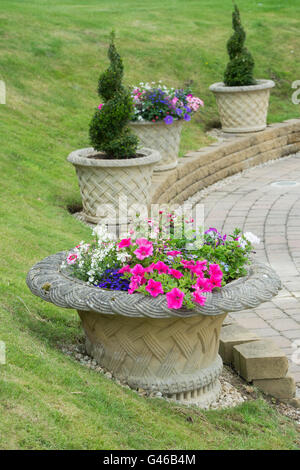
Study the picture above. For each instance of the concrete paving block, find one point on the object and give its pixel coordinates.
(278, 388)
(232, 335)
(259, 360)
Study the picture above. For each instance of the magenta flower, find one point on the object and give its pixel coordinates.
(215, 270)
(143, 241)
(138, 270)
(134, 285)
(125, 269)
(154, 288)
(173, 253)
(216, 281)
(143, 251)
(199, 267)
(72, 258)
(198, 297)
(161, 267)
(187, 264)
(149, 269)
(100, 106)
(175, 298)
(204, 284)
(124, 243)
(175, 273)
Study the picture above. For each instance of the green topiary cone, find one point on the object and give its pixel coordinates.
(239, 71)
(108, 128)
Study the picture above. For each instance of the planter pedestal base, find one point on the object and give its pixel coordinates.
(175, 356)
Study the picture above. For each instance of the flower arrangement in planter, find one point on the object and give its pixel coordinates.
(113, 167)
(183, 269)
(242, 101)
(152, 305)
(159, 113)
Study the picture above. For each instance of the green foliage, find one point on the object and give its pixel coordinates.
(239, 71)
(108, 128)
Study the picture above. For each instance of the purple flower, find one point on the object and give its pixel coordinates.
(187, 117)
(188, 109)
(168, 119)
(178, 111)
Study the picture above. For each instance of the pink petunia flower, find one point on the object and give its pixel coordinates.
(204, 284)
(161, 267)
(175, 273)
(187, 264)
(143, 251)
(100, 106)
(175, 298)
(173, 253)
(125, 269)
(149, 269)
(199, 267)
(143, 241)
(124, 243)
(216, 281)
(133, 286)
(154, 288)
(198, 297)
(138, 270)
(215, 270)
(72, 258)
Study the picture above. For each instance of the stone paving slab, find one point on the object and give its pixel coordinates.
(272, 212)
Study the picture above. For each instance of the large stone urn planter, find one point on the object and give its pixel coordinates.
(140, 341)
(162, 137)
(243, 108)
(110, 187)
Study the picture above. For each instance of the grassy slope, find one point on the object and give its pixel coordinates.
(51, 53)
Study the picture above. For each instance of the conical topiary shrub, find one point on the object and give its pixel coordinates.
(239, 71)
(108, 128)
(242, 101)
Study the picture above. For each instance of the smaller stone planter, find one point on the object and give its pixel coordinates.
(243, 108)
(162, 137)
(111, 187)
(143, 342)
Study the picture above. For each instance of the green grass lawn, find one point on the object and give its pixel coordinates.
(51, 54)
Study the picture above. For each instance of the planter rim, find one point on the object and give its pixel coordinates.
(81, 157)
(262, 84)
(149, 123)
(47, 280)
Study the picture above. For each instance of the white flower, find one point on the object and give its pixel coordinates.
(243, 243)
(253, 239)
(102, 234)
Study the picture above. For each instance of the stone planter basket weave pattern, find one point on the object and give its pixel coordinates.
(144, 343)
(103, 181)
(244, 108)
(162, 137)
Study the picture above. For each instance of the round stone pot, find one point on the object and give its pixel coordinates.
(143, 342)
(109, 188)
(162, 137)
(243, 108)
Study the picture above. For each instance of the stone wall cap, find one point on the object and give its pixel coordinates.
(49, 281)
(219, 87)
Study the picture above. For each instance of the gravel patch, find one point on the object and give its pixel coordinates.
(230, 396)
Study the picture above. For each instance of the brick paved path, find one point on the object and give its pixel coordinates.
(252, 203)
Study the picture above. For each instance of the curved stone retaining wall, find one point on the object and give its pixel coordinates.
(199, 169)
